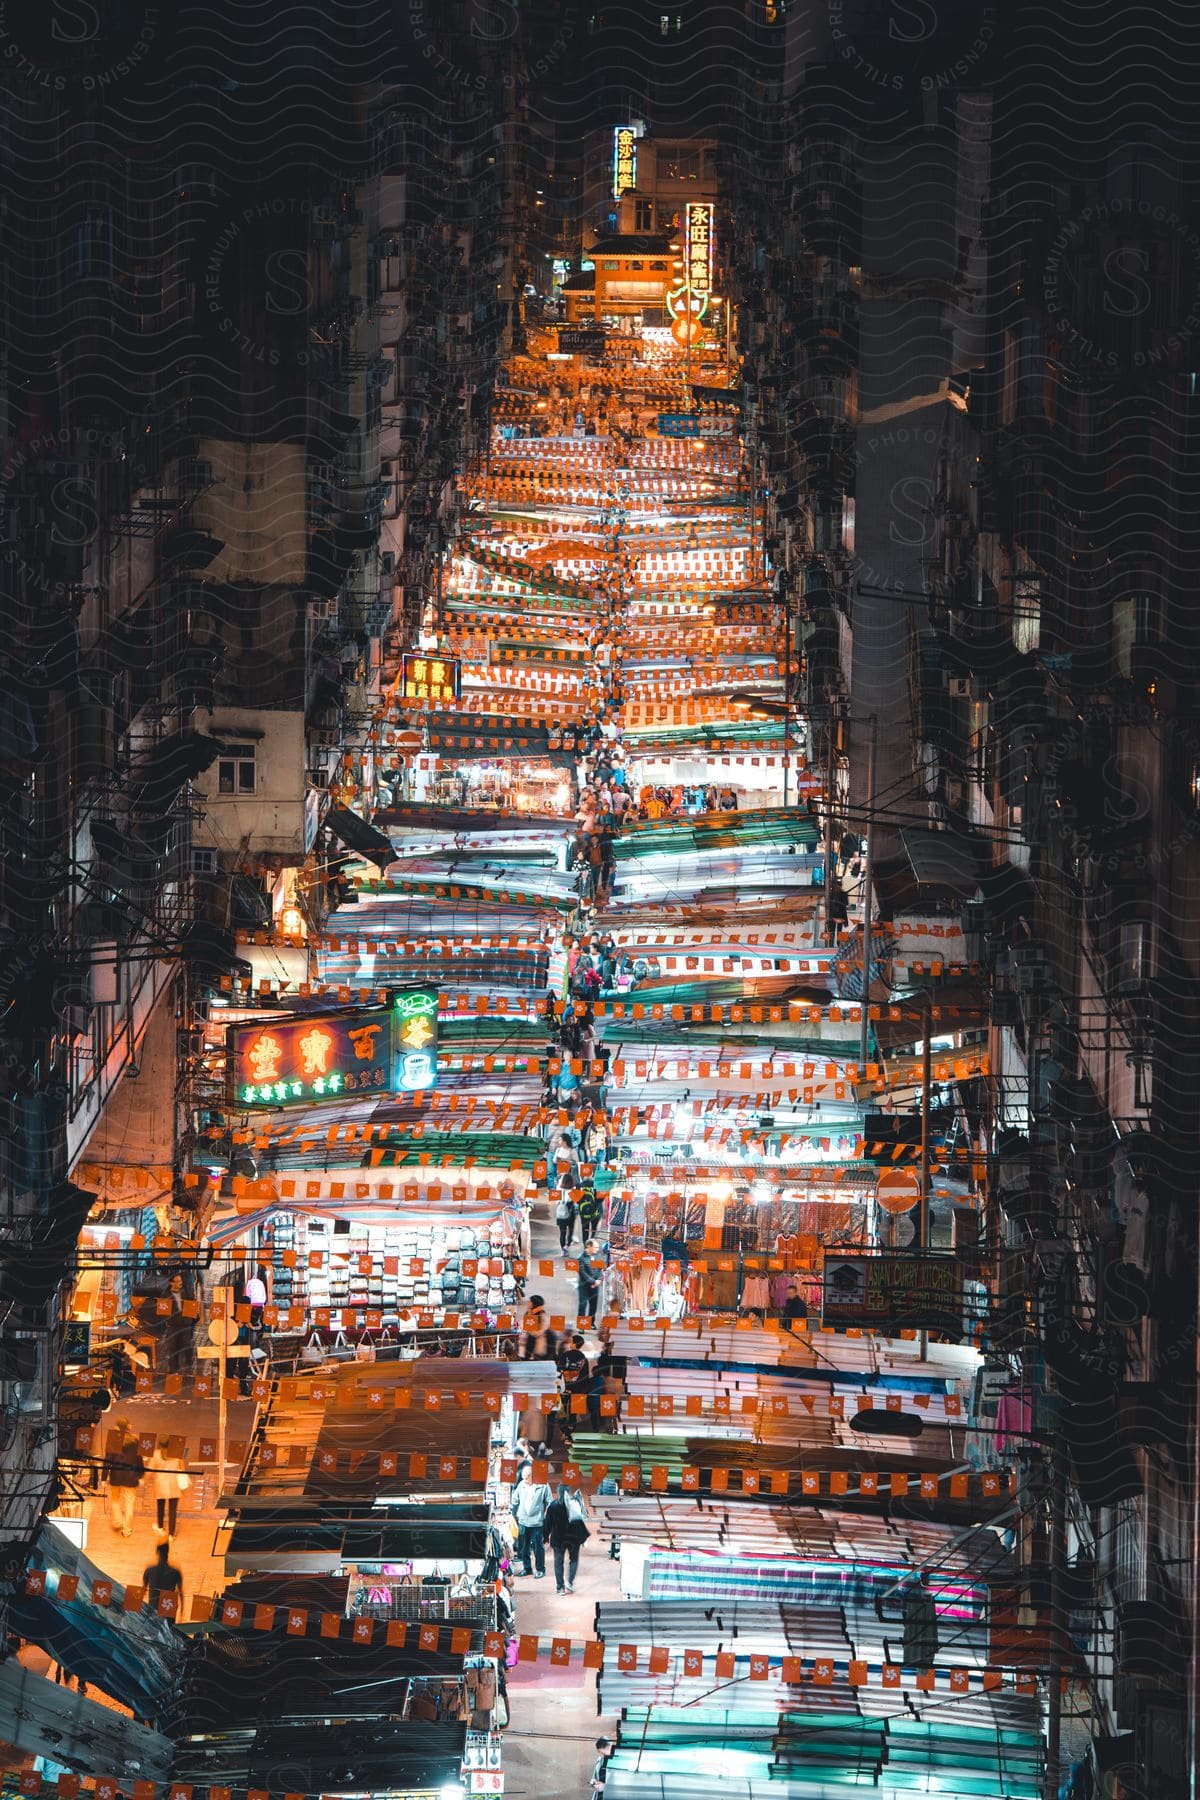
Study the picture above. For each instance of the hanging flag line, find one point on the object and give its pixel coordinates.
(454, 947)
(361, 1317)
(630, 1479)
(735, 1012)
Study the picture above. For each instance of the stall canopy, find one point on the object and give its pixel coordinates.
(357, 834)
(131, 1656)
(176, 760)
(316, 1544)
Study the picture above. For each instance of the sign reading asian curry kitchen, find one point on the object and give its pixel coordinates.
(893, 1291)
(330, 1056)
(432, 677)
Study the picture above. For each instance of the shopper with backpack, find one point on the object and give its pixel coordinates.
(564, 1217)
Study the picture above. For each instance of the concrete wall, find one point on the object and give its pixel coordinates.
(271, 821)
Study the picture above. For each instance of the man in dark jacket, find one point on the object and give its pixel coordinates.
(589, 1212)
(589, 1288)
(162, 1577)
(566, 1534)
(125, 1471)
(574, 1364)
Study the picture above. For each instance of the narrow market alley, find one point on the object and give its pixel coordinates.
(586, 970)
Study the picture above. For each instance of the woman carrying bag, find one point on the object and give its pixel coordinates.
(566, 1533)
(171, 1482)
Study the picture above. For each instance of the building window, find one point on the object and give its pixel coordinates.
(683, 165)
(643, 215)
(637, 265)
(235, 770)
(1135, 955)
(610, 265)
(659, 267)
(664, 23)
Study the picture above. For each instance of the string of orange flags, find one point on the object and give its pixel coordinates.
(461, 1640)
(671, 1184)
(204, 1385)
(738, 1012)
(632, 1478)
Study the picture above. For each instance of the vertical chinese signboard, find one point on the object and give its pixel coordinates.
(624, 160)
(430, 677)
(698, 249)
(332, 1056)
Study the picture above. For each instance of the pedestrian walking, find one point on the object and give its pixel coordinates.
(564, 1217)
(566, 1533)
(604, 1749)
(125, 1471)
(162, 1577)
(589, 1212)
(176, 1344)
(171, 1482)
(535, 1326)
(573, 1366)
(589, 1289)
(529, 1510)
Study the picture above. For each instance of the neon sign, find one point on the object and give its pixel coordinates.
(333, 1056)
(698, 248)
(416, 1042)
(624, 160)
(430, 677)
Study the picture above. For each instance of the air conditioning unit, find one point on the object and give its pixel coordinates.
(962, 687)
(1030, 971)
(202, 862)
(190, 1043)
(326, 740)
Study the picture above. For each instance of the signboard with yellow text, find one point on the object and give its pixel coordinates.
(309, 1061)
(698, 247)
(431, 677)
(624, 160)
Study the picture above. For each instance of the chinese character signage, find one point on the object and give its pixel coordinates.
(581, 343)
(894, 1291)
(430, 677)
(624, 160)
(416, 1029)
(698, 247)
(331, 1056)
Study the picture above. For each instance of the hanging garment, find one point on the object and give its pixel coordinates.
(756, 1294)
(1014, 1418)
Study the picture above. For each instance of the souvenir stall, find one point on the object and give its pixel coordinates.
(347, 1274)
(723, 1245)
(710, 782)
(523, 784)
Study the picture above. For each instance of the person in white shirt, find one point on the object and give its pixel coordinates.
(171, 1482)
